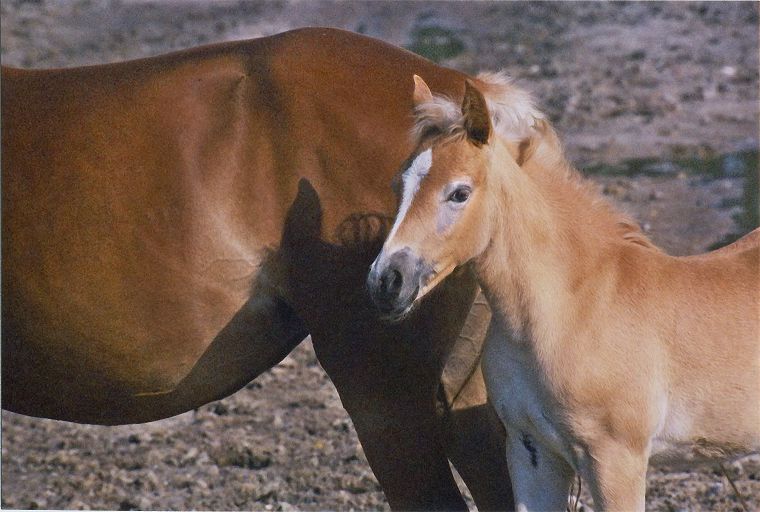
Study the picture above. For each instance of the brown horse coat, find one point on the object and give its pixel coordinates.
(174, 226)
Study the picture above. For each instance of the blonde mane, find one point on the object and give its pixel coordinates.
(517, 120)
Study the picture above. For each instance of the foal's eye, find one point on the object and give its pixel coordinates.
(460, 195)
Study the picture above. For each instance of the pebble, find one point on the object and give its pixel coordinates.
(661, 168)
(732, 165)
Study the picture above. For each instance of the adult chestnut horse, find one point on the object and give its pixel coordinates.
(174, 226)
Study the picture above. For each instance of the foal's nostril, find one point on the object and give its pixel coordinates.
(391, 281)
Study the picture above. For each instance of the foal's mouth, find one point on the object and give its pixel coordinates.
(398, 314)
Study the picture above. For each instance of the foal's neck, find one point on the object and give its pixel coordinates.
(546, 244)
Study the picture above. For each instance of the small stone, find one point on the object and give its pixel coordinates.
(190, 455)
(732, 165)
(220, 409)
(127, 505)
(728, 71)
(661, 168)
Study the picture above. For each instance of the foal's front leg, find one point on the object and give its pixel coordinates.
(616, 476)
(540, 478)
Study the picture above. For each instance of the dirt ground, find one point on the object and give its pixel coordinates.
(658, 101)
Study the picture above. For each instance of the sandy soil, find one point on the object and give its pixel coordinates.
(674, 82)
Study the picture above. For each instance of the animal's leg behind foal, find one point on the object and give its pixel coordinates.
(540, 478)
(402, 440)
(388, 376)
(475, 437)
(475, 445)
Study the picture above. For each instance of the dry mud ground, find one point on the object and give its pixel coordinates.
(659, 100)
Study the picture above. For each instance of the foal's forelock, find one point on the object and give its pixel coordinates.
(512, 111)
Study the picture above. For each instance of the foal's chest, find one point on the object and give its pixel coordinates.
(517, 392)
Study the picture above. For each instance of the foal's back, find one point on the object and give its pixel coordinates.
(712, 302)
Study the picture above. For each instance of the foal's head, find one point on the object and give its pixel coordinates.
(444, 219)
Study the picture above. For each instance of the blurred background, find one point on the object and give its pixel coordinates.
(655, 101)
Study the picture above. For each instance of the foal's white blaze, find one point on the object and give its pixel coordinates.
(411, 179)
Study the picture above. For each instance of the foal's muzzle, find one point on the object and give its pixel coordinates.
(394, 282)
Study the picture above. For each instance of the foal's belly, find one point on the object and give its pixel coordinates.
(684, 438)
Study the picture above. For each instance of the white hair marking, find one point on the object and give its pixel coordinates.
(411, 180)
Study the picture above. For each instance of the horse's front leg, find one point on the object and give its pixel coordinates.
(400, 434)
(388, 376)
(474, 433)
(540, 478)
(475, 445)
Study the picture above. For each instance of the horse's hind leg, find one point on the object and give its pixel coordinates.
(388, 389)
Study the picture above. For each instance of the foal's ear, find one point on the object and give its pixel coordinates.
(477, 121)
(422, 92)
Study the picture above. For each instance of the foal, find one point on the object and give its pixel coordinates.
(603, 351)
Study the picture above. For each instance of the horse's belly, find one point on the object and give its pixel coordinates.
(140, 336)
